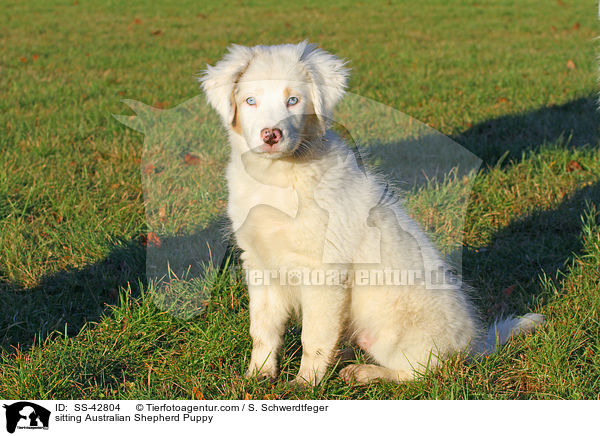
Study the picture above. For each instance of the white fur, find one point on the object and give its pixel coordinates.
(306, 204)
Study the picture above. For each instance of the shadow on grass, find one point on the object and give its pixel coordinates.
(411, 163)
(67, 300)
(577, 123)
(507, 274)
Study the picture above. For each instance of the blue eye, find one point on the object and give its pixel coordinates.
(292, 101)
(251, 101)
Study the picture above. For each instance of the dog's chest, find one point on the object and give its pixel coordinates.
(274, 224)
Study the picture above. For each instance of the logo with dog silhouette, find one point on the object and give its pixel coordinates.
(26, 415)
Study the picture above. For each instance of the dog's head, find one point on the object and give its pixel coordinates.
(276, 97)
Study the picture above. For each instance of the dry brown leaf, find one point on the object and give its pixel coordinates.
(197, 394)
(574, 166)
(191, 159)
(153, 240)
(506, 292)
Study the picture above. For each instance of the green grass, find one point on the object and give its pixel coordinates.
(78, 319)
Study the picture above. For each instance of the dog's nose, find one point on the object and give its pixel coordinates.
(271, 136)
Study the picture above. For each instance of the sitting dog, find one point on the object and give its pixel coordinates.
(313, 226)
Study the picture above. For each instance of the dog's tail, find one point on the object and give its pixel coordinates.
(502, 330)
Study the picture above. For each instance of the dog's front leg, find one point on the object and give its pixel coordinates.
(268, 316)
(324, 310)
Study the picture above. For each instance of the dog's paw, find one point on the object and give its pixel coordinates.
(305, 379)
(356, 373)
(300, 382)
(363, 374)
(261, 373)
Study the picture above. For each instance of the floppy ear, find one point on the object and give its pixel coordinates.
(219, 82)
(329, 77)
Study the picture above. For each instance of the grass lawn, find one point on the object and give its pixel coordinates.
(512, 81)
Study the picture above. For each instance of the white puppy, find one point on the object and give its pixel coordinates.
(302, 209)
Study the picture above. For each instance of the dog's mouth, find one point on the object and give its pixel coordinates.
(276, 151)
(268, 151)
